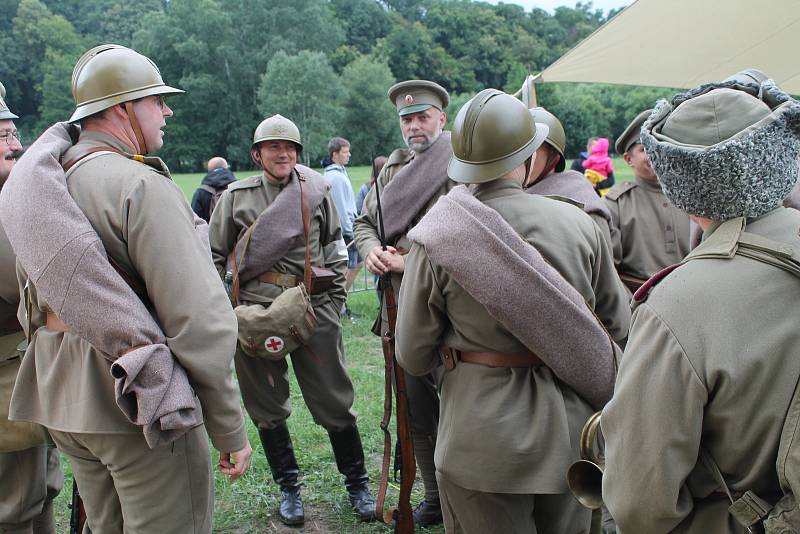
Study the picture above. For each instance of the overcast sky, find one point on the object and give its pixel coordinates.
(550, 5)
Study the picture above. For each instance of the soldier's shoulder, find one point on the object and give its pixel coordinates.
(251, 182)
(399, 156)
(620, 190)
(566, 200)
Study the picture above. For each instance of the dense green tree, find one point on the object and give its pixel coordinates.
(370, 121)
(305, 89)
(43, 81)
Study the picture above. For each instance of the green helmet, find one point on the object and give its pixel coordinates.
(5, 113)
(110, 74)
(492, 135)
(277, 127)
(556, 137)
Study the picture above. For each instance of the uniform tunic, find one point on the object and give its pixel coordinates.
(711, 361)
(65, 384)
(648, 233)
(323, 378)
(526, 417)
(25, 475)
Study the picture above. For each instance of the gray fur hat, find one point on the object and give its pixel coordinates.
(727, 149)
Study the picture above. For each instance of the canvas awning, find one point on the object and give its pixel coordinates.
(684, 43)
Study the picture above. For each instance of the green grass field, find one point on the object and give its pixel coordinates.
(249, 504)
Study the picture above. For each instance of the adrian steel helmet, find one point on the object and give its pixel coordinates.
(492, 135)
(556, 137)
(5, 113)
(111, 74)
(277, 127)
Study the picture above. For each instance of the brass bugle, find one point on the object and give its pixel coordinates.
(585, 477)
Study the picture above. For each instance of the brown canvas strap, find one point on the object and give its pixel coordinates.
(55, 324)
(71, 163)
(306, 224)
(137, 130)
(450, 357)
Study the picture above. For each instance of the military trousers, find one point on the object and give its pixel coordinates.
(473, 512)
(128, 487)
(320, 371)
(30, 480)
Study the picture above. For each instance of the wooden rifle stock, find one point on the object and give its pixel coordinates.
(77, 516)
(402, 516)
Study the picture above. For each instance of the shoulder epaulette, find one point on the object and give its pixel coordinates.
(246, 183)
(620, 189)
(643, 292)
(401, 156)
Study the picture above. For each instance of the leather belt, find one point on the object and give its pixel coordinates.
(10, 326)
(55, 324)
(450, 358)
(279, 279)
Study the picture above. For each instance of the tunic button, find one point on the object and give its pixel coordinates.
(666, 204)
(669, 227)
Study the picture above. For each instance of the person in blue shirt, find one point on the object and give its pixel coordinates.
(343, 199)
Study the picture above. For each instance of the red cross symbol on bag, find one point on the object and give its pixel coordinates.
(273, 344)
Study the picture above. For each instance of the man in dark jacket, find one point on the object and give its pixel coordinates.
(212, 186)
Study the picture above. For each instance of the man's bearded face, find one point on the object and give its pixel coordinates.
(10, 148)
(421, 129)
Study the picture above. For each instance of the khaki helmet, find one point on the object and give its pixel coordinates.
(492, 135)
(110, 74)
(277, 127)
(556, 137)
(5, 113)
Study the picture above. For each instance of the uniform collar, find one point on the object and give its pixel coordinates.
(650, 186)
(495, 189)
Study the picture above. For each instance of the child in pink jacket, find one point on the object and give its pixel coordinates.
(599, 169)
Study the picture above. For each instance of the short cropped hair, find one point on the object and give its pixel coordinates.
(336, 144)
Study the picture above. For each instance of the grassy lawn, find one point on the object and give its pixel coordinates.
(249, 505)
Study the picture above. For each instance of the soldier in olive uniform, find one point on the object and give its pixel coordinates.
(147, 228)
(548, 176)
(711, 364)
(507, 432)
(319, 366)
(648, 233)
(30, 472)
(420, 105)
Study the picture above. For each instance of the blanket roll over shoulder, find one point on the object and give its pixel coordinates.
(66, 261)
(538, 315)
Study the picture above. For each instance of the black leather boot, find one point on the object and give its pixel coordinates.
(428, 512)
(349, 454)
(280, 456)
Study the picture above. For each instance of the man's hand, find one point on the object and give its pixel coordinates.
(240, 464)
(380, 261)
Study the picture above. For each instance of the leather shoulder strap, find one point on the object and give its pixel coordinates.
(306, 224)
(71, 163)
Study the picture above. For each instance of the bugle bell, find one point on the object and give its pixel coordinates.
(585, 477)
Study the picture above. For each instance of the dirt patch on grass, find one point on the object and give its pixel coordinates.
(315, 524)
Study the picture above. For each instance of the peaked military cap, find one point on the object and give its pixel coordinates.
(630, 136)
(413, 96)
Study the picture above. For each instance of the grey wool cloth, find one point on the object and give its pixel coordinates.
(67, 263)
(279, 226)
(573, 185)
(414, 185)
(540, 314)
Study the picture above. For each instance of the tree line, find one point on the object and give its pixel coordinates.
(326, 64)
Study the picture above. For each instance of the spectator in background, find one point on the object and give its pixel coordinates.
(377, 165)
(577, 163)
(211, 188)
(599, 169)
(342, 195)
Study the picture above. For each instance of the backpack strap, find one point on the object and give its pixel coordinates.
(208, 189)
